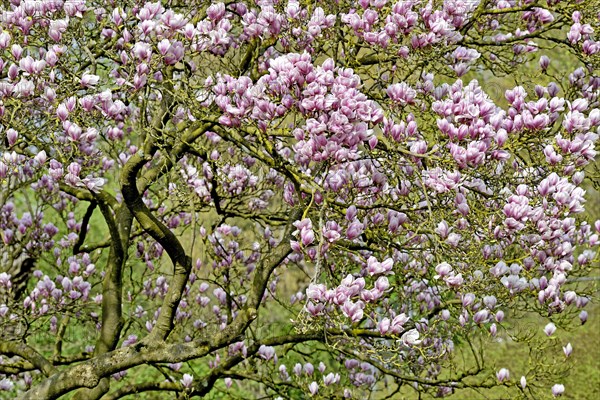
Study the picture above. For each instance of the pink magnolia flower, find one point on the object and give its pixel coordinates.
(503, 375)
(550, 329)
(443, 270)
(354, 311)
(316, 292)
(398, 322)
(88, 79)
(187, 381)
(402, 93)
(382, 284)
(468, 299)
(454, 280)
(5, 280)
(383, 326)
(568, 349)
(4, 39)
(267, 352)
(142, 51)
(331, 379)
(24, 88)
(481, 316)
(313, 388)
(216, 11)
(11, 136)
(375, 268)
(308, 368)
(558, 390)
(6, 384)
(544, 62)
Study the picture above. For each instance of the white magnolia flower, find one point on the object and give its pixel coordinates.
(410, 337)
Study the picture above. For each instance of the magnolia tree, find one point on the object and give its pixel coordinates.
(291, 198)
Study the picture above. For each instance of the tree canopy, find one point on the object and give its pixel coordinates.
(293, 199)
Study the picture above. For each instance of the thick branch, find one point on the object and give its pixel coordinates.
(86, 195)
(112, 291)
(89, 373)
(14, 369)
(144, 387)
(80, 194)
(84, 226)
(112, 323)
(182, 263)
(22, 350)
